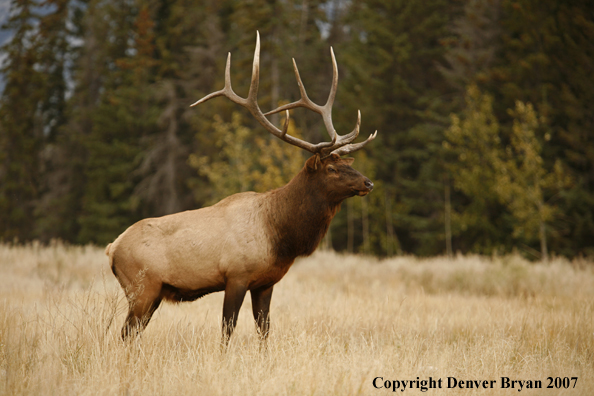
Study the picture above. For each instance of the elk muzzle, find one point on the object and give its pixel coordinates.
(368, 187)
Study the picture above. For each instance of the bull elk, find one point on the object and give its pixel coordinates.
(247, 241)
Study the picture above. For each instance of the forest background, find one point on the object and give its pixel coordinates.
(485, 113)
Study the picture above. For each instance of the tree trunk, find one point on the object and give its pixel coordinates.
(274, 76)
(275, 89)
(389, 226)
(350, 226)
(303, 22)
(365, 224)
(448, 217)
(544, 253)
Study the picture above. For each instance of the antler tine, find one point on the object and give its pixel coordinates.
(253, 92)
(332, 95)
(286, 126)
(349, 148)
(227, 91)
(304, 101)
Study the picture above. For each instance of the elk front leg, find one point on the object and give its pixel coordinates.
(234, 295)
(261, 309)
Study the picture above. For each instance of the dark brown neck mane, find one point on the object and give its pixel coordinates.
(299, 216)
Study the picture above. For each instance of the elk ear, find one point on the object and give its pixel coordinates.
(313, 163)
(349, 161)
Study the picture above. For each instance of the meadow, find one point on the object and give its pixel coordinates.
(341, 325)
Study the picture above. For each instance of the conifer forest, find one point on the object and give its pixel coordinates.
(484, 111)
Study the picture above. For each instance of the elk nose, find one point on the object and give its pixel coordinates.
(369, 184)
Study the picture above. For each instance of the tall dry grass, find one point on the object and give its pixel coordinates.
(338, 323)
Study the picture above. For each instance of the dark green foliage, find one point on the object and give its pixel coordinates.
(96, 131)
(392, 52)
(546, 59)
(30, 110)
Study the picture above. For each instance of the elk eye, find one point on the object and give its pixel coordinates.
(332, 169)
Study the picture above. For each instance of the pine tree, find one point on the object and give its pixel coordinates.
(545, 58)
(28, 104)
(471, 46)
(476, 154)
(491, 174)
(53, 53)
(470, 50)
(390, 54)
(187, 40)
(523, 180)
(88, 69)
(122, 117)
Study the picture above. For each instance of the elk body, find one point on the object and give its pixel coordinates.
(246, 242)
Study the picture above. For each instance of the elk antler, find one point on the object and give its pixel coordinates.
(340, 145)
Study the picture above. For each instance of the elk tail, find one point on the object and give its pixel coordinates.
(109, 253)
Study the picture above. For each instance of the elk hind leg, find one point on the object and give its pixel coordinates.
(140, 312)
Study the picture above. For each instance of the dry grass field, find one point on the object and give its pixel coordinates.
(338, 322)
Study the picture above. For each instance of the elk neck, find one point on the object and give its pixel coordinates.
(299, 215)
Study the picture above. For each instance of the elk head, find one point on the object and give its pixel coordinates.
(335, 178)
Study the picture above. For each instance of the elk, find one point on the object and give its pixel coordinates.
(248, 241)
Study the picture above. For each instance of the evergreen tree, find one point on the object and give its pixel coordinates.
(491, 174)
(124, 115)
(390, 54)
(89, 67)
(54, 65)
(479, 222)
(185, 35)
(470, 50)
(523, 180)
(471, 45)
(20, 134)
(545, 58)
(31, 110)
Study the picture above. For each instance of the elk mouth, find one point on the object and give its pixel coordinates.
(364, 192)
